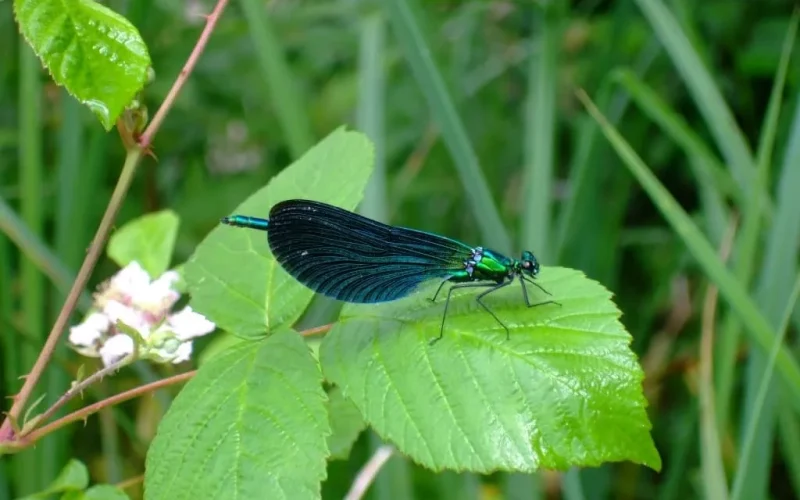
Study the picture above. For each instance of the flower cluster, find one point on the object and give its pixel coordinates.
(132, 318)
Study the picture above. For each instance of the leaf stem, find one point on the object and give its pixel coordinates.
(75, 390)
(86, 411)
(29, 436)
(317, 330)
(211, 21)
(121, 189)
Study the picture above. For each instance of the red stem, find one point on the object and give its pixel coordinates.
(86, 411)
(211, 21)
(96, 248)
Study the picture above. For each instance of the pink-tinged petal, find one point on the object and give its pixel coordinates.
(129, 281)
(158, 297)
(129, 316)
(116, 348)
(187, 324)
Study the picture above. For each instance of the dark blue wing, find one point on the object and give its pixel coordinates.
(351, 258)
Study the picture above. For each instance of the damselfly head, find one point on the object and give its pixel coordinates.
(528, 264)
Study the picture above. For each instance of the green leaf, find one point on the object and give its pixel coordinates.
(95, 53)
(346, 424)
(233, 278)
(252, 423)
(104, 492)
(564, 390)
(218, 345)
(149, 239)
(74, 476)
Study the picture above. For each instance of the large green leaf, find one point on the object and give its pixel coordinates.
(149, 240)
(346, 424)
(252, 423)
(564, 390)
(233, 278)
(95, 53)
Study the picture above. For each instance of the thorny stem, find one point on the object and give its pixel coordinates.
(86, 411)
(125, 177)
(211, 21)
(121, 189)
(30, 436)
(77, 389)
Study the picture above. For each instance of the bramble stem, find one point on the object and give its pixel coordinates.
(121, 189)
(97, 245)
(77, 389)
(211, 21)
(30, 436)
(86, 411)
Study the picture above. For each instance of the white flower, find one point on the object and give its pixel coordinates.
(116, 348)
(130, 298)
(129, 280)
(116, 311)
(85, 336)
(188, 324)
(183, 353)
(157, 296)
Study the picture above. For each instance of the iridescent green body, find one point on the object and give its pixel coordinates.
(485, 265)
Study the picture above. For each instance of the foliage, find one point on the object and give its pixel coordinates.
(97, 54)
(681, 151)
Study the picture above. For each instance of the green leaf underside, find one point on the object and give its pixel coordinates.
(346, 424)
(95, 53)
(233, 278)
(252, 423)
(564, 391)
(149, 240)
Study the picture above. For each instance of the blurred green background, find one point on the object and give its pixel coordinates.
(279, 75)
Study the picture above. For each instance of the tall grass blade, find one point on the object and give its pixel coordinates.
(540, 131)
(751, 433)
(711, 171)
(773, 291)
(715, 484)
(734, 293)
(370, 113)
(404, 17)
(581, 177)
(789, 443)
(37, 252)
(571, 485)
(285, 95)
(35, 465)
(728, 136)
